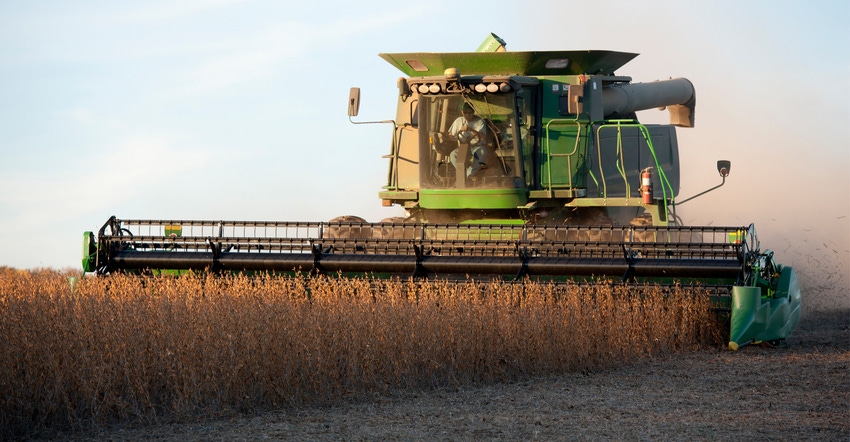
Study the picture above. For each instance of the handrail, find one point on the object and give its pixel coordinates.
(662, 176)
(549, 153)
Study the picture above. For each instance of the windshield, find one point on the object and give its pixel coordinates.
(471, 141)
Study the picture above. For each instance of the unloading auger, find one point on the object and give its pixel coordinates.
(509, 165)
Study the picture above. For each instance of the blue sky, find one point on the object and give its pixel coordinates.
(228, 109)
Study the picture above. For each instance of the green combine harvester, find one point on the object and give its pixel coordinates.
(509, 165)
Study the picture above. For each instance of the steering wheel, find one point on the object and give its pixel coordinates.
(468, 137)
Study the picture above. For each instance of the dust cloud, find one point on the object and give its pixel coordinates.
(797, 196)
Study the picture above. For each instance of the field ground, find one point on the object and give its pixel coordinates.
(800, 391)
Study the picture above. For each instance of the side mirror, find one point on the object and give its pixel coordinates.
(723, 167)
(354, 107)
(353, 101)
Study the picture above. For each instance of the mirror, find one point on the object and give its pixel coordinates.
(353, 101)
(723, 167)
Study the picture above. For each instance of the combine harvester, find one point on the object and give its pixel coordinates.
(550, 176)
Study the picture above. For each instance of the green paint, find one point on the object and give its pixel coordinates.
(89, 252)
(472, 198)
(759, 317)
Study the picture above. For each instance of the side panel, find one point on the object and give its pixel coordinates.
(757, 318)
(562, 155)
(404, 167)
(563, 139)
(624, 151)
(408, 158)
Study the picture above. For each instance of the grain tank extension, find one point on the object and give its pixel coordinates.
(508, 165)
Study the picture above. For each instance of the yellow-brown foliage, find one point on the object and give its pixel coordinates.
(121, 347)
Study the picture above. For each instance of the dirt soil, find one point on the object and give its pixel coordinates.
(800, 391)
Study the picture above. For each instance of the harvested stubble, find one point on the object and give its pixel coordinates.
(127, 348)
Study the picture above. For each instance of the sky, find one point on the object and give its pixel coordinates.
(236, 110)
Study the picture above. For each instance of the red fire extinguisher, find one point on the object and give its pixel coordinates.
(646, 185)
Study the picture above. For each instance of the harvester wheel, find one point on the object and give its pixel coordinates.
(640, 235)
(347, 227)
(400, 228)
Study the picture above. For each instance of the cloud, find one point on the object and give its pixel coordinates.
(79, 115)
(170, 10)
(266, 52)
(106, 181)
(92, 121)
(253, 58)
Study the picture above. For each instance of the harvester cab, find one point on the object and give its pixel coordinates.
(509, 165)
(559, 141)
